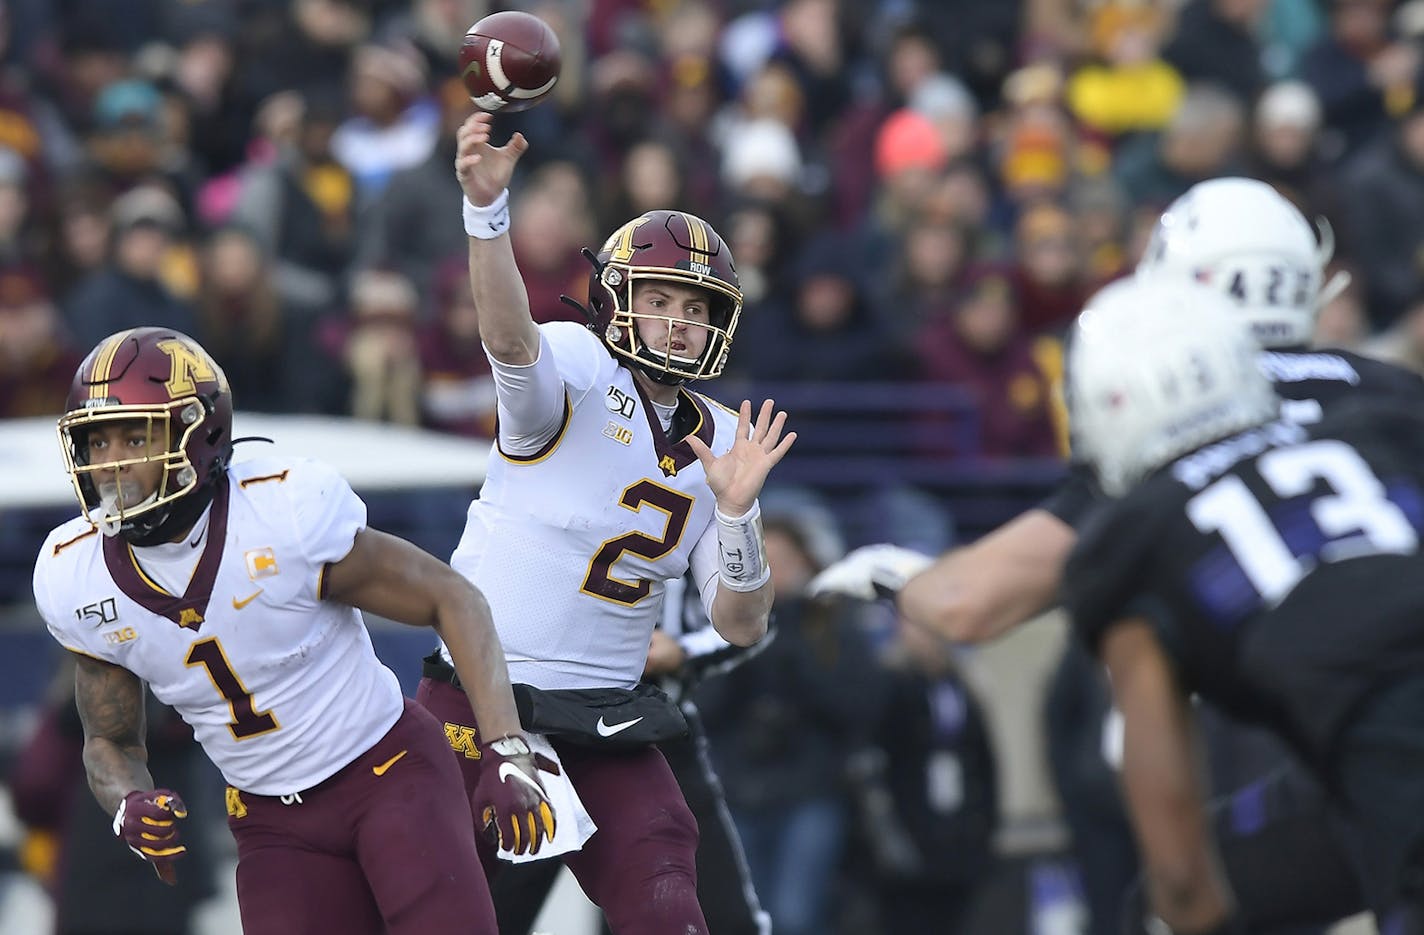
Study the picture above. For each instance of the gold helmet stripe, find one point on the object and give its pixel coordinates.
(103, 363)
(697, 234)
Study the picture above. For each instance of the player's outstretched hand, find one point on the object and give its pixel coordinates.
(147, 820)
(869, 572)
(484, 170)
(509, 801)
(736, 477)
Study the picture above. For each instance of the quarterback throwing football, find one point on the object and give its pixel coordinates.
(610, 478)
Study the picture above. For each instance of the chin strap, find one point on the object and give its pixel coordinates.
(176, 518)
(660, 376)
(184, 512)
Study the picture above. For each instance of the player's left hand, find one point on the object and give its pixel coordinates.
(510, 800)
(736, 477)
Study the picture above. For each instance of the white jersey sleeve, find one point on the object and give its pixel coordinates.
(48, 597)
(706, 566)
(534, 398)
(329, 516)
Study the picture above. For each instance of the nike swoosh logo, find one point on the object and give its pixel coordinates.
(381, 770)
(508, 770)
(608, 730)
(238, 605)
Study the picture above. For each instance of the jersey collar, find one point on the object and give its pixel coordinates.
(189, 609)
(674, 456)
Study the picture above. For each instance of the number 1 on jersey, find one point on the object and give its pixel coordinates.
(247, 721)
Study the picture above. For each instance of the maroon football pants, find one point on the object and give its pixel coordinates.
(640, 867)
(381, 847)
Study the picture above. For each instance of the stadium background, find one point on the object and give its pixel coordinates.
(919, 196)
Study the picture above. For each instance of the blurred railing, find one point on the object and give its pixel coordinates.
(856, 439)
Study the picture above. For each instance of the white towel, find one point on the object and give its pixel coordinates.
(573, 824)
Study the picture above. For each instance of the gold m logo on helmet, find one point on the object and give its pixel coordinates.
(190, 367)
(620, 244)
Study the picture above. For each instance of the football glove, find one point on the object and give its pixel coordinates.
(510, 803)
(148, 823)
(869, 572)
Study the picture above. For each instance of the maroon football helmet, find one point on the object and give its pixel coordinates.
(166, 381)
(676, 247)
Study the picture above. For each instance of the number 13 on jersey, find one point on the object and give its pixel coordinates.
(1356, 519)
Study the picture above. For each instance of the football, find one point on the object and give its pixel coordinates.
(509, 61)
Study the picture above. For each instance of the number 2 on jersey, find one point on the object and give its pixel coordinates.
(247, 721)
(1357, 519)
(600, 581)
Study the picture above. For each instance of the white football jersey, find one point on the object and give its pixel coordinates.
(573, 545)
(281, 688)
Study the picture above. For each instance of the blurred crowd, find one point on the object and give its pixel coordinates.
(912, 190)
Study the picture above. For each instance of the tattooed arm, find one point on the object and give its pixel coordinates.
(110, 701)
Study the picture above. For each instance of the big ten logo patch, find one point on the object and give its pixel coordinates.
(462, 740)
(121, 635)
(619, 433)
(621, 403)
(261, 563)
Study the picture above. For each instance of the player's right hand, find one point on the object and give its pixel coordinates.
(869, 572)
(484, 170)
(509, 800)
(147, 820)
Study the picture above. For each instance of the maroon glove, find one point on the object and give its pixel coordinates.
(148, 823)
(510, 803)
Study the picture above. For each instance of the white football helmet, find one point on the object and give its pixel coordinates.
(1243, 238)
(1157, 367)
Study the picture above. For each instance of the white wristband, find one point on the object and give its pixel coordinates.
(741, 551)
(489, 221)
